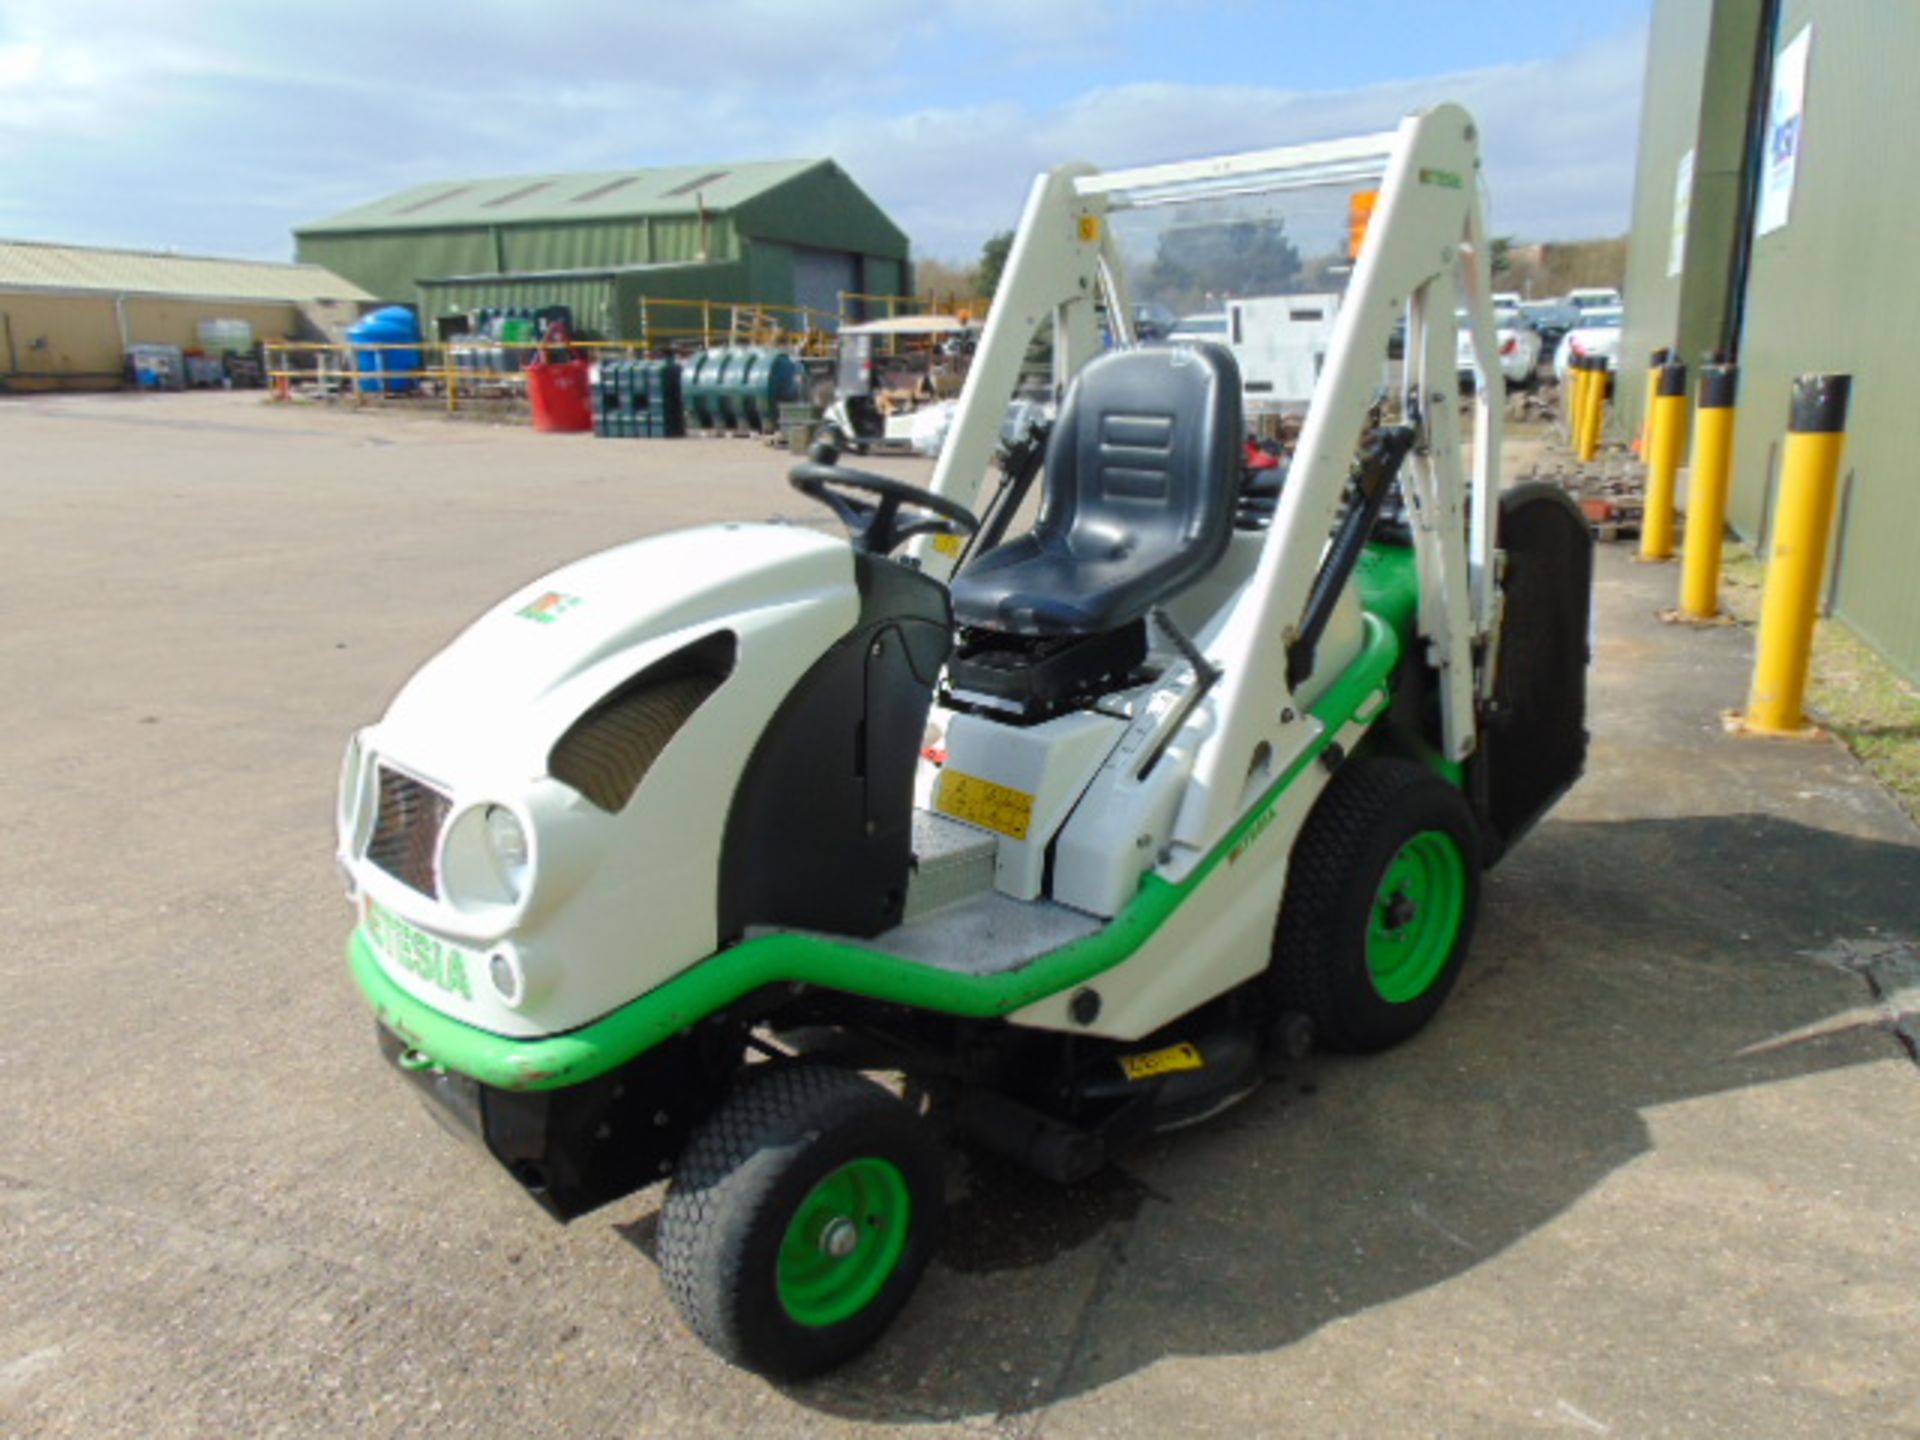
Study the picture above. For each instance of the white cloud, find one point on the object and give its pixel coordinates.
(1558, 140)
(218, 126)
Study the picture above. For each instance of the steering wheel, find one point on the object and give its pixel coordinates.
(875, 524)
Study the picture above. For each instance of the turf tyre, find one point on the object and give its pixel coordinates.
(748, 1173)
(1372, 811)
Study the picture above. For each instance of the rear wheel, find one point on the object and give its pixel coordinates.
(1381, 896)
(800, 1219)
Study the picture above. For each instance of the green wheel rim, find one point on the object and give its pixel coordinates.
(843, 1242)
(1416, 916)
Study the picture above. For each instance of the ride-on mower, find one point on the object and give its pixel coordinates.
(1060, 833)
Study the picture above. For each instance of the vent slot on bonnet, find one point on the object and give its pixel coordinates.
(607, 752)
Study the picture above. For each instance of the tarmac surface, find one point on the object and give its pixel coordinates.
(1655, 1170)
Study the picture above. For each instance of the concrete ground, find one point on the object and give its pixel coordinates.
(1654, 1172)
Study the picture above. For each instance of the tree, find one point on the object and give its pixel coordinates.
(993, 259)
(1221, 259)
(943, 282)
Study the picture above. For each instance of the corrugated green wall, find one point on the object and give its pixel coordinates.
(770, 271)
(389, 265)
(1698, 83)
(750, 249)
(591, 298)
(1669, 123)
(605, 306)
(883, 277)
(825, 209)
(822, 208)
(1835, 290)
(724, 282)
(582, 245)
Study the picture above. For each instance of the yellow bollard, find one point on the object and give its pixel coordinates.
(1582, 376)
(1599, 375)
(1590, 397)
(1660, 358)
(1707, 477)
(1664, 447)
(1809, 469)
(1576, 397)
(1569, 400)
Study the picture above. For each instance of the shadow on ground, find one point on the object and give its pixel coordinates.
(1619, 966)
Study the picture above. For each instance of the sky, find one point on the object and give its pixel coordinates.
(216, 126)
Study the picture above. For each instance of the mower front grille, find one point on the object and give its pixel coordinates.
(406, 830)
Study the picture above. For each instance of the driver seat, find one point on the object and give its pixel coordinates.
(1141, 475)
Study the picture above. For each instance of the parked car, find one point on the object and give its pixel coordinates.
(1552, 318)
(1598, 333)
(1595, 298)
(1209, 326)
(1519, 346)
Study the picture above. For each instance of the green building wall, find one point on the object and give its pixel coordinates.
(607, 305)
(820, 207)
(1835, 290)
(1700, 61)
(391, 264)
(1831, 291)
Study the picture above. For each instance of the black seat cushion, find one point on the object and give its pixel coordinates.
(1139, 499)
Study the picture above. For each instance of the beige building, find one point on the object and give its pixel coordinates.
(68, 313)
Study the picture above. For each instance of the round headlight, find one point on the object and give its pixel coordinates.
(507, 843)
(486, 858)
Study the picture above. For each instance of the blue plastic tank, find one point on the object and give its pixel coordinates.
(386, 370)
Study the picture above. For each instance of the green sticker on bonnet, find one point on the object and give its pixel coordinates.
(548, 608)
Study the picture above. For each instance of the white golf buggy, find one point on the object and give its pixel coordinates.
(1063, 833)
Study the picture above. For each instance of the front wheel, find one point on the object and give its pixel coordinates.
(1382, 890)
(800, 1219)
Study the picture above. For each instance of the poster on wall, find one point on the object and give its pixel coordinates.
(1682, 208)
(1786, 114)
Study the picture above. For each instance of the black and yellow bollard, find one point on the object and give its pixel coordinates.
(1667, 438)
(1809, 474)
(1660, 358)
(1708, 474)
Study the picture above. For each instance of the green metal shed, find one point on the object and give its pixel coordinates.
(1830, 289)
(774, 232)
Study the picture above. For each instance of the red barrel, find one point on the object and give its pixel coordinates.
(557, 389)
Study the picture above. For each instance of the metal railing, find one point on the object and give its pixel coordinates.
(445, 371)
(891, 307)
(477, 368)
(702, 324)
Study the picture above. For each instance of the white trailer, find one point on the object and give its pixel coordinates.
(1281, 342)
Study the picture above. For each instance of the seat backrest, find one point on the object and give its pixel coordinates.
(1146, 457)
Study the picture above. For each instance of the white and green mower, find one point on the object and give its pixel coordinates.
(1063, 833)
